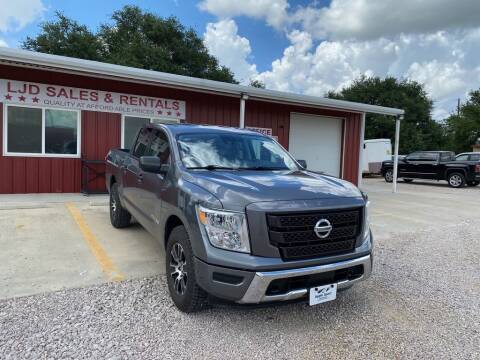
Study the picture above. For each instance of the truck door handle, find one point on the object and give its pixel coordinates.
(140, 177)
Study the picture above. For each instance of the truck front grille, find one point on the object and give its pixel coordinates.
(293, 233)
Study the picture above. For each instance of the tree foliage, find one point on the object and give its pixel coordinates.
(418, 130)
(257, 84)
(464, 127)
(133, 38)
(66, 37)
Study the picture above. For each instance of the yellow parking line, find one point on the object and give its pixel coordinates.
(107, 265)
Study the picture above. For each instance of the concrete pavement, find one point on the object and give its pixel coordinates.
(45, 246)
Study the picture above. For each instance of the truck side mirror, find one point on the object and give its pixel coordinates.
(302, 163)
(153, 164)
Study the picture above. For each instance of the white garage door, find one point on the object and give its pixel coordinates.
(318, 140)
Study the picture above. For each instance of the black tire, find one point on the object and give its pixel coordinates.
(388, 175)
(407, 180)
(473, 183)
(119, 217)
(180, 269)
(456, 180)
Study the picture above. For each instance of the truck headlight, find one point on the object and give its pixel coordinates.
(225, 229)
(366, 228)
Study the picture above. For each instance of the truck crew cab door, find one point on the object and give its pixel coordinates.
(155, 185)
(133, 192)
(409, 167)
(429, 165)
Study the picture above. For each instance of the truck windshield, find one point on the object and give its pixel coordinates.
(233, 151)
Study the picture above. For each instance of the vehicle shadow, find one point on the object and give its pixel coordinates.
(439, 184)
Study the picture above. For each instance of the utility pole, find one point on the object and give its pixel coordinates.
(458, 107)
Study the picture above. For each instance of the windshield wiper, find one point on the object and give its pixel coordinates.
(263, 168)
(211, 167)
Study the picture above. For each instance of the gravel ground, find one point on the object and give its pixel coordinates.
(422, 301)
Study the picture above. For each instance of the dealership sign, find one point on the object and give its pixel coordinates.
(27, 93)
(263, 131)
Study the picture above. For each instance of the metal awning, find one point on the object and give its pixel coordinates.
(26, 58)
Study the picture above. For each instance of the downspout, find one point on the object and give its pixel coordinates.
(395, 157)
(242, 110)
(360, 153)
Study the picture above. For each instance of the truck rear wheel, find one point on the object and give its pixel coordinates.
(187, 296)
(388, 176)
(119, 217)
(408, 180)
(456, 180)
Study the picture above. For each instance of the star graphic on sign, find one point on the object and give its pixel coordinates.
(22, 98)
(179, 113)
(169, 113)
(160, 112)
(35, 99)
(8, 97)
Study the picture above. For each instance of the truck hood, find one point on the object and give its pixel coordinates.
(237, 189)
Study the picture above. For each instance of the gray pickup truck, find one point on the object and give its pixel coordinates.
(239, 217)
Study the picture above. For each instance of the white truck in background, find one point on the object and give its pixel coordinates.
(375, 151)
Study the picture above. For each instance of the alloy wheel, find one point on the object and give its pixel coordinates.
(455, 180)
(113, 204)
(389, 176)
(178, 269)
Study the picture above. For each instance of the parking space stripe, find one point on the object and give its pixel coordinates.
(107, 265)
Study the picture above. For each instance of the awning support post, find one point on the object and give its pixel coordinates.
(242, 110)
(360, 153)
(395, 157)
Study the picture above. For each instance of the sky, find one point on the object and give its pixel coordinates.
(306, 46)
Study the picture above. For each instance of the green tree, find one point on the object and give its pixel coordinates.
(257, 84)
(418, 130)
(133, 38)
(464, 128)
(65, 37)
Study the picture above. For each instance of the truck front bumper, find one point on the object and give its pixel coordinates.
(248, 287)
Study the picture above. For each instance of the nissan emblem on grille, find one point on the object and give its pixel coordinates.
(323, 228)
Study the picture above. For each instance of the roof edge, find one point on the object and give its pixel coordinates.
(125, 72)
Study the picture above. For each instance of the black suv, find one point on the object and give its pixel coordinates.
(434, 165)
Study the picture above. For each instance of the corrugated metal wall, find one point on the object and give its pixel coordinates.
(37, 175)
(102, 131)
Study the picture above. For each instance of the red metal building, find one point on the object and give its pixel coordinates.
(58, 113)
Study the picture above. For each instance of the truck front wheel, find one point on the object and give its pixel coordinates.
(388, 175)
(187, 296)
(456, 180)
(119, 217)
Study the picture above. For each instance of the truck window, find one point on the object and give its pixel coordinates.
(414, 157)
(428, 156)
(141, 143)
(475, 157)
(446, 157)
(240, 151)
(159, 146)
(131, 125)
(462, 158)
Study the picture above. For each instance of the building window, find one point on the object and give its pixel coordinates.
(60, 132)
(131, 125)
(24, 129)
(41, 132)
